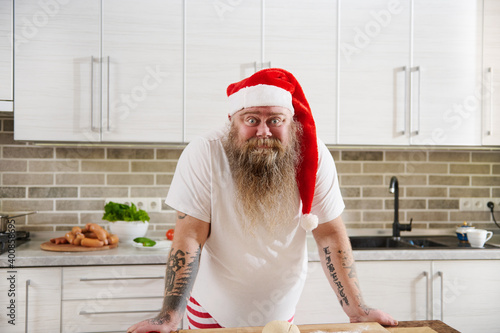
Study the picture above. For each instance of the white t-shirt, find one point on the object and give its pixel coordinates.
(245, 280)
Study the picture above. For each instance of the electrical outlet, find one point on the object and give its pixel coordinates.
(147, 204)
(496, 203)
(478, 204)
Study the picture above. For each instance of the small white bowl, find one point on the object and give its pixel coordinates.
(127, 231)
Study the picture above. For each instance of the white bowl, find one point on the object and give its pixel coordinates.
(127, 231)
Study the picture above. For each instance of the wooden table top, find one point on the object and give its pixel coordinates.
(436, 325)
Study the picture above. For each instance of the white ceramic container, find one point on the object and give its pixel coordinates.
(127, 231)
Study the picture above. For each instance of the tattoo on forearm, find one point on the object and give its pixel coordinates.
(159, 321)
(333, 273)
(347, 262)
(366, 309)
(181, 217)
(182, 268)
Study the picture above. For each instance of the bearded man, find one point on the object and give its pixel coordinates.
(247, 195)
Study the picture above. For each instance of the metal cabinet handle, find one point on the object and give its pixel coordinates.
(490, 131)
(124, 278)
(92, 123)
(91, 93)
(107, 95)
(257, 66)
(416, 132)
(441, 275)
(426, 275)
(396, 70)
(82, 313)
(28, 283)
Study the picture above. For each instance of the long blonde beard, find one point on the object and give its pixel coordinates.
(265, 179)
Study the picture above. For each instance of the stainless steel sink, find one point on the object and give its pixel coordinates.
(377, 242)
(408, 243)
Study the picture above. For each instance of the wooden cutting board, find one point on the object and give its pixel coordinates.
(327, 328)
(48, 246)
(411, 330)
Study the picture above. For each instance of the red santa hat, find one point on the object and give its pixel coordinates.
(277, 87)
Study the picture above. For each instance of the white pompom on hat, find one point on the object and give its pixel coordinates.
(277, 87)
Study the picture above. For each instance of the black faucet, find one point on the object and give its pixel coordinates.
(396, 226)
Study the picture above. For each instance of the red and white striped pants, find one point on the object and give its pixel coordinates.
(199, 318)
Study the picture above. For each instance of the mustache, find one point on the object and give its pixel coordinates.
(255, 143)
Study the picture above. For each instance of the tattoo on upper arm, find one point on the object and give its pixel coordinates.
(335, 279)
(182, 268)
(181, 217)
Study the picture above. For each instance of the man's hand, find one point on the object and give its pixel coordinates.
(153, 325)
(374, 315)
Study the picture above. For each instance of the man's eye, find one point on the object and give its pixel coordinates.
(275, 121)
(251, 121)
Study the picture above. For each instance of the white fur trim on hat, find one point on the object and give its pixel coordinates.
(309, 222)
(260, 95)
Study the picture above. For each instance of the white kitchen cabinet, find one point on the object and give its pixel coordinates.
(491, 74)
(447, 44)
(36, 296)
(374, 54)
(57, 72)
(399, 288)
(142, 52)
(110, 298)
(465, 294)
(110, 315)
(318, 303)
(6, 55)
(409, 71)
(461, 293)
(99, 71)
(223, 42)
(302, 39)
(228, 41)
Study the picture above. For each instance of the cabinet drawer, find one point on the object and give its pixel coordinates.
(107, 282)
(107, 315)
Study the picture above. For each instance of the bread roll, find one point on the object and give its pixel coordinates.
(280, 326)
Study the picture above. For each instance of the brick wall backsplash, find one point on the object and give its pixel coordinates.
(68, 185)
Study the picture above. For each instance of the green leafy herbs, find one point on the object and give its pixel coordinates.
(120, 212)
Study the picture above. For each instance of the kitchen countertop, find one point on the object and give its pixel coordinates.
(29, 254)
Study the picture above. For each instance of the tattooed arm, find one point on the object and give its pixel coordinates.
(182, 267)
(338, 264)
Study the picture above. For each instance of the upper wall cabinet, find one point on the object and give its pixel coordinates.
(222, 46)
(410, 72)
(99, 71)
(446, 72)
(227, 41)
(374, 54)
(491, 73)
(6, 55)
(302, 38)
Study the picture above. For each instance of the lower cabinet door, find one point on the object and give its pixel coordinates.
(400, 288)
(106, 282)
(107, 315)
(318, 303)
(467, 294)
(31, 300)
